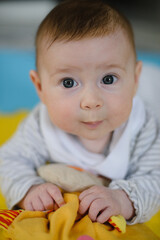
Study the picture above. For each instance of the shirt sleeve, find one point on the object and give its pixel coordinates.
(19, 159)
(142, 183)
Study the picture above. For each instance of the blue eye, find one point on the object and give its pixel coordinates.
(109, 79)
(69, 83)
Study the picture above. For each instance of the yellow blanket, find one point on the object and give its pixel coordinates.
(64, 224)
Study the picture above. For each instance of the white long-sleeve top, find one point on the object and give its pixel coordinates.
(133, 161)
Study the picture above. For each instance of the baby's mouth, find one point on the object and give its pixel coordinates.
(93, 125)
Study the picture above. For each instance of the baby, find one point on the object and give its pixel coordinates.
(86, 78)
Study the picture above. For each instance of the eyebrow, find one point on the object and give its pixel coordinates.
(114, 65)
(73, 68)
(67, 69)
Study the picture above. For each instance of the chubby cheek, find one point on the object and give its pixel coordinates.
(120, 111)
(62, 115)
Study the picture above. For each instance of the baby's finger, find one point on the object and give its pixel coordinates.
(105, 215)
(96, 207)
(55, 206)
(47, 201)
(90, 190)
(84, 194)
(38, 204)
(28, 206)
(86, 202)
(56, 194)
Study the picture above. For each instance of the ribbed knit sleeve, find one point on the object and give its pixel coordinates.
(142, 183)
(19, 159)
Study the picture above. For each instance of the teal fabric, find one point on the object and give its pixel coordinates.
(16, 89)
(149, 57)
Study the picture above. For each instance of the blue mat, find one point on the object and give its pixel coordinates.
(16, 89)
(149, 57)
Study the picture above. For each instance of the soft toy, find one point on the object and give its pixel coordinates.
(70, 178)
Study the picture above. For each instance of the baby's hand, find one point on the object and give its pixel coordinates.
(46, 196)
(102, 203)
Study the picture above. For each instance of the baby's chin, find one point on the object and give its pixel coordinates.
(88, 134)
(94, 136)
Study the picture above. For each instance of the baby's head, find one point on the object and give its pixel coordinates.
(87, 73)
(79, 19)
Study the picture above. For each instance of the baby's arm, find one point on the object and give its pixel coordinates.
(46, 196)
(102, 203)
(142, 183)
(19, 159)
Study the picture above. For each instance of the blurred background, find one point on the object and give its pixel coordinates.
(18, 24)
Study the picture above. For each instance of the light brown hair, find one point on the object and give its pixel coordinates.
(77, 19)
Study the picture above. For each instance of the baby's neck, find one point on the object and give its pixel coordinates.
(98, 145)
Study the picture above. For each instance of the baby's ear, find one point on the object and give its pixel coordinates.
(37, 82)
(138, 70)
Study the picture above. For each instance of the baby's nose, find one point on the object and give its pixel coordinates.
(91, 100)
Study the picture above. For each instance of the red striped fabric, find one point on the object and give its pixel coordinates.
(7, 217)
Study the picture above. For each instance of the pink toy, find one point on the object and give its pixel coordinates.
(85, 237)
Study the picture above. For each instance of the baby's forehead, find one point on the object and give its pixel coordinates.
(47, 42)
(75, 48)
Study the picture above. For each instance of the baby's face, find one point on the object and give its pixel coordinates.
(88, 85)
